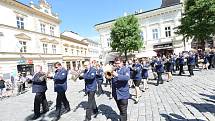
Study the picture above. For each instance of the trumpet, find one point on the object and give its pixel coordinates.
(108, 71)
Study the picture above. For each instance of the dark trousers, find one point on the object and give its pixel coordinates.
(190, 69)
(177, 67)
(100, 90)
(92, 107)
(159, 78)
(61, 98)
(181, 71)
(122, 106)
(40, 98)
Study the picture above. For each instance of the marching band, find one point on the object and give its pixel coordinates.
(121, 75)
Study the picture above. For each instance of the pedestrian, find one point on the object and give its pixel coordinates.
(60, 86)
(205, 61)
(39, 87)
(120, 88)
(2, 86)
(99, 78)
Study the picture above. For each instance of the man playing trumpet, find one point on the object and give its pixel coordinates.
(120, 88)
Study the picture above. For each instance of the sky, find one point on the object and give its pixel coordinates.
(81, 16)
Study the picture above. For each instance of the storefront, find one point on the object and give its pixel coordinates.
(25, 66)
(164, 49)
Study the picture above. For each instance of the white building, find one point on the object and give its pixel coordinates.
(94, 50)
(75, 50)
(29, 35)
(157, 27)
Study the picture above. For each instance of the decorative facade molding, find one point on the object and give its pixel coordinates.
(23, 36)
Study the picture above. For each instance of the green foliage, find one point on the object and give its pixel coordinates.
(126, 35)
(198, 22)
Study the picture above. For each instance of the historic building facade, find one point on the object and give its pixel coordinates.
(74, 49)
(29, 35)
(158, 27)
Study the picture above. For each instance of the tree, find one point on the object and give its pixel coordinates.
(126, 35)
(198, 22)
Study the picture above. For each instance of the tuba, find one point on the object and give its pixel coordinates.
(108, 71)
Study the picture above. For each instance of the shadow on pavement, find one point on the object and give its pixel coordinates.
(181, 75)
(176, 117)
(203, 107)
(83, 104)
(28, 118)
(108, 112)
(107, 93)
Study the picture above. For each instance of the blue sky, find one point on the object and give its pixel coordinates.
(80, 16)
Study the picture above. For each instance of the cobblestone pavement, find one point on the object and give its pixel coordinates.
(184, 98)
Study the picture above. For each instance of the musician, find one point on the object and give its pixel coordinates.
(181, 64)
(90, 88)
(169, 67)
(137, 79)
(159, 69)
(191, 63)
(145, 74)
(39, 87)
(60, 86)
(120, 88)
(99, 78)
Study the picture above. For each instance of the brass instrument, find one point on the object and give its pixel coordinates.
(79, 75)
(108, 71)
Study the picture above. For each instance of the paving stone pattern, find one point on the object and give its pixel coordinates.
(183, 99)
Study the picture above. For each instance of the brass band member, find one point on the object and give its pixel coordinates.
(90, 88)
(137, 79)
(120, 88)
(39, 87)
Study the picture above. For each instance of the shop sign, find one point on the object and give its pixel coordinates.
(163, 45)
(22, 62)
(30, 61)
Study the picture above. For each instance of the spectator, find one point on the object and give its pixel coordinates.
(2, 86)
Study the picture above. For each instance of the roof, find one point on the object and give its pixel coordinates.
(140, 13)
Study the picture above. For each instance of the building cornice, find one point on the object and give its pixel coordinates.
(25, 30)
(27, 8)
(72, 40)
(142, 15)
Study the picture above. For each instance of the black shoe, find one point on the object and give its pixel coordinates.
(45, 111)
(86, 119)
(156, 84)
(35, 117)
(67, 110)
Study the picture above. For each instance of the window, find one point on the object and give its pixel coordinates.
(66, 50)
(54, 49)
(168, 31)
(43, 28)
(108, 42)
(20, 22)
(45, 49)
(142, 35)
(72, 51)
(155, 33)
(77, 52)
(23, 46)
(51, 30)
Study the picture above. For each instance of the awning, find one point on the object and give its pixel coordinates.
(150, 53)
